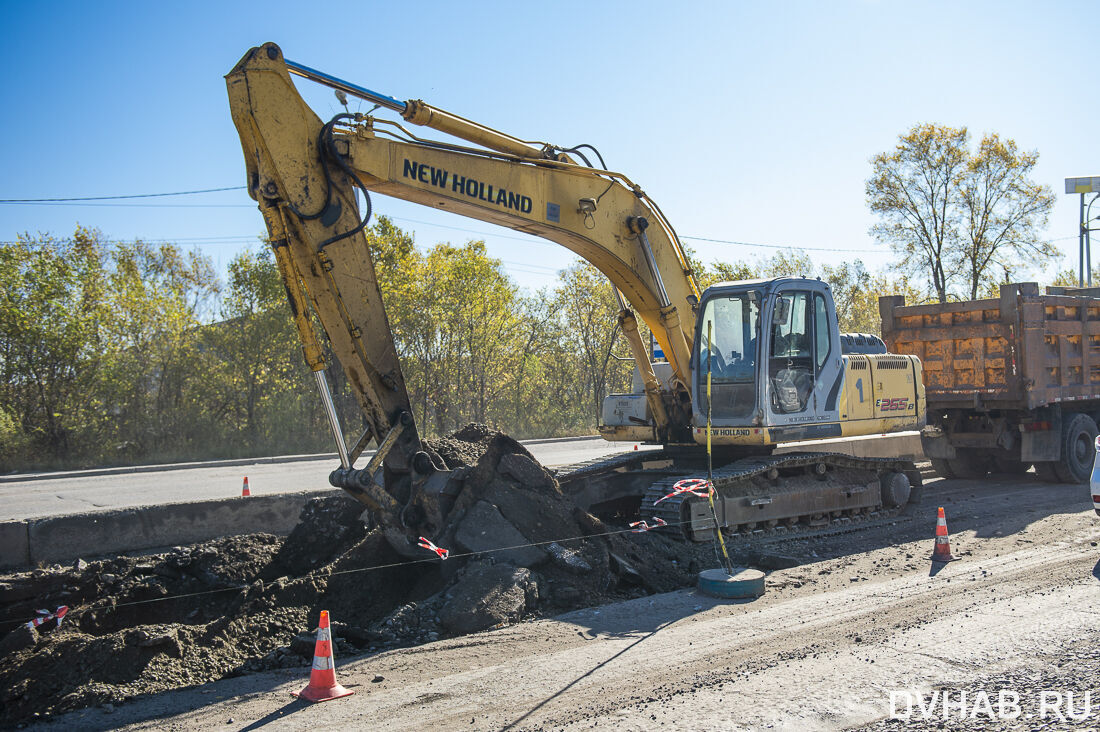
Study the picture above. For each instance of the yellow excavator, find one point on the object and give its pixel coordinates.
(778, 366)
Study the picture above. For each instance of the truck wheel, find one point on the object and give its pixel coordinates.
(943, 468)
(969, 464)
(1078, 438)
(1009, 466)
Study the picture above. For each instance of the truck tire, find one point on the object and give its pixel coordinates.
(942, 468)
(969, 464)
(1078, 451)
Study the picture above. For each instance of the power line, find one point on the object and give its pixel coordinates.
(201, 239)
(780, 246)
(196, 240)
(76, 201)
(536, 240)
(82, 201)
(530, 240)
(132, 195)
(134, 205)
(510, 265)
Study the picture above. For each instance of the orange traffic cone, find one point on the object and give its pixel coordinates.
(244, 489)
(942, 552)
(322, 679)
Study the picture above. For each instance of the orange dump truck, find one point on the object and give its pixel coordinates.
(1010, 382)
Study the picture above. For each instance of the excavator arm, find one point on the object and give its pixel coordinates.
(304, 173)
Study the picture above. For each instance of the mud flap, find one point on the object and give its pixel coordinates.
(1038, 447)
(936, 445)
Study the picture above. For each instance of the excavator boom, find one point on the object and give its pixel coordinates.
(304, 173)
(781, 369)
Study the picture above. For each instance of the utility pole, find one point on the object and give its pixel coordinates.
(1084, 186)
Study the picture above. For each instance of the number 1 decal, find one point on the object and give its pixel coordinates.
(859, 388)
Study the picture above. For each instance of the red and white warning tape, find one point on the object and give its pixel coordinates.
(443, 553)
(699, 487)
(44, 616)
(643, 526)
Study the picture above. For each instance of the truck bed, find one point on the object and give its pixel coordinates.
(1020, 351)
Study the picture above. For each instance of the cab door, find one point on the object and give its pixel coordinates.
(804, 366)
(827, 359)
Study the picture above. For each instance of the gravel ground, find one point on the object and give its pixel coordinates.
(849, 617)
(1058, 690)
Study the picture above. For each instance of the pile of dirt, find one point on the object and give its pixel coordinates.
(138, 625)
(463, 448)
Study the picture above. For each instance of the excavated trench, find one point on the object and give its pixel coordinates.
(140, 625)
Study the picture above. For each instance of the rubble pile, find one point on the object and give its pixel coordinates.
(137, 625)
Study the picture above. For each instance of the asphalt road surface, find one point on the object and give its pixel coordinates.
(864, 618)
(91, 490)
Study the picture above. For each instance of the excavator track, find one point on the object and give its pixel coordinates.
(778, 492)
(792, 494)
(609, 463)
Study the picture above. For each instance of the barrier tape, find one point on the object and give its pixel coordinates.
(694, 486)
(643, 526)
(44, 616)
(442, 553)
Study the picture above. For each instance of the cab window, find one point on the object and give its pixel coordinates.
(821, 330)
(729, 354)
(791, 365)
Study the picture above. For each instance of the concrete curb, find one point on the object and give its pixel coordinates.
(15, 544)
(85, 535)
(544, 440)
(127, 469)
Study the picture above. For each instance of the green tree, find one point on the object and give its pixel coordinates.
(460, 335)
(259, 356)
(863, 314)
(958, 218)
(1004, 211)
(51, 313)
(589, 316)
(728, 272)
(848, 281)
(152, 383)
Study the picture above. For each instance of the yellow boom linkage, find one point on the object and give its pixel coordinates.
(303, 173)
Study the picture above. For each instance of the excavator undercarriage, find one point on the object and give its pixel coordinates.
(793, 490)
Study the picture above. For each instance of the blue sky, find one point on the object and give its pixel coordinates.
(751, 122)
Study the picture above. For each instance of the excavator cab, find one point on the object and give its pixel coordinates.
(773, 351)
(774, 360)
